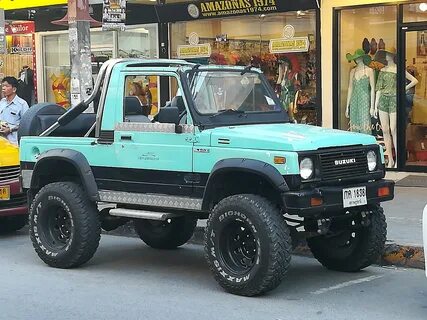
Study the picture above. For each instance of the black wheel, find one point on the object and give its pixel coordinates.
(247, 245)
(168, 234)
(12, 224)
(64, 225)
(354, 249)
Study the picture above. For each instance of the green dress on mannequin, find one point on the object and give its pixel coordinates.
(387, 85)
(360, 119)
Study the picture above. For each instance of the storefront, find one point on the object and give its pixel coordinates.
(376, 75)
(279, 37)
(138, 41)
(20, 59)
(51, 43)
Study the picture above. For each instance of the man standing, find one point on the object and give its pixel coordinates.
(12, 108)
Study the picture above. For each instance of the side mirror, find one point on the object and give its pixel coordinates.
(168, 115)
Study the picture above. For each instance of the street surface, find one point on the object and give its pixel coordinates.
(404, 215)
(128, 280)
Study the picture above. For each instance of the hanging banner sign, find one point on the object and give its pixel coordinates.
(23, 4)
(114, 15)
(194, 51)
(297, 44)
(2, 33)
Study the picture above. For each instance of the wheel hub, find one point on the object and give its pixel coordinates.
(239, 246)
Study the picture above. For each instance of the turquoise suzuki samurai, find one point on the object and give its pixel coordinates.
(222, 149)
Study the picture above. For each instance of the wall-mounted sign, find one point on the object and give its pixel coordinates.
(197, 51)
(297, 44)
(20, 37)
(114, 15)
(20, 28)
(221, 8)
(193, 38)
(288, 31)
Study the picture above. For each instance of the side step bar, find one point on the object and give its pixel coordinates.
(142, 214)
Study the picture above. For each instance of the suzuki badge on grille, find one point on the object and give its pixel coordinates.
(344, 161)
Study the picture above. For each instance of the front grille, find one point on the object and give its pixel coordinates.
(9, 173)
(17, 200)
(343, 164)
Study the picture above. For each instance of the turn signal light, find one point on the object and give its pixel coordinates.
(383, 192)
(279, 160)
(316, 202)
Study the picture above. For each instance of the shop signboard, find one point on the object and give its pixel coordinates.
(114, 15)
(20, 37)
(22, 4)
(207, 9)
(194, 51)
(297, 44)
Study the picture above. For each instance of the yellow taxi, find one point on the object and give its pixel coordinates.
(13, 201)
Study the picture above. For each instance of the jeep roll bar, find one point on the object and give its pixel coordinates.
(71, 114)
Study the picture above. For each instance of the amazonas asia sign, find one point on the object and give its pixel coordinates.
(218, 8)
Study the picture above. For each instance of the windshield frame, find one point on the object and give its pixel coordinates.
(207, 120)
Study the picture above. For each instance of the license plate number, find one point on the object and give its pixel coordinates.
(353, 197)
(4, 193)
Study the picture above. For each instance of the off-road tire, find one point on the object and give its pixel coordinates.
(168, 234)
(255, 267)
(12, 224)
(367, 248)
(67, 203)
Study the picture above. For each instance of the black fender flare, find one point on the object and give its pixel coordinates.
(263, 169)
(77, 160)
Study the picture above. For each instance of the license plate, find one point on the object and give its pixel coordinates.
(4, 193)
(353, 197)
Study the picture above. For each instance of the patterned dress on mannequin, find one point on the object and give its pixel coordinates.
(360, 118)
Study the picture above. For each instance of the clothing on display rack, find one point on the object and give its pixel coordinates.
(26, 85)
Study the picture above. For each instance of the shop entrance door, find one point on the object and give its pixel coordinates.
(412, 113)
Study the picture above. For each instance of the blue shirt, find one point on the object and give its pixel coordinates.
(11, 113)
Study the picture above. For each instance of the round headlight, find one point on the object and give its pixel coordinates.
(372, 160)
(306, 168)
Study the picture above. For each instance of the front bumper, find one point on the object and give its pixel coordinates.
(17, 205)
(300, 202)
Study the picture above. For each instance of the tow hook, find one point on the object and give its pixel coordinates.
(365, 219)
(323, 226)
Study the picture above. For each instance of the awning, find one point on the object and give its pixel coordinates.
(26, 4)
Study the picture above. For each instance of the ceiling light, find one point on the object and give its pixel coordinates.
(423, 7)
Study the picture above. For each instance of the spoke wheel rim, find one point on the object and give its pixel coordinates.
(59, 227)
(239, 247)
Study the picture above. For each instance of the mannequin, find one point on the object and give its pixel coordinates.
(361, 94)
(386, 101)
(286, 80)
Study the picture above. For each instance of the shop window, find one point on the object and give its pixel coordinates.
(367, 92)
(415, 12)
(136, 42)
(245, 40)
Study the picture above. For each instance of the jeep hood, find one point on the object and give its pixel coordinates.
(284, 137)
(9, 153)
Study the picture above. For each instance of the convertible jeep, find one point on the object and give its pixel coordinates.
(222, 149)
